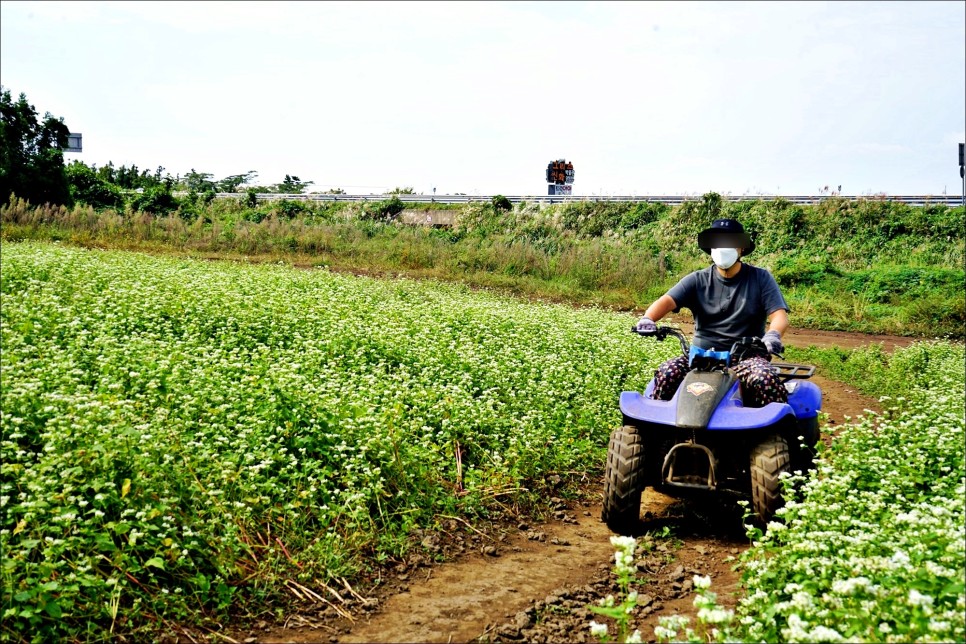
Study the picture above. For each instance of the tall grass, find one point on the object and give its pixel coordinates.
(867, 265)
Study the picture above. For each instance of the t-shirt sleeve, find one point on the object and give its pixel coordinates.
(771, 295)
(684, 292)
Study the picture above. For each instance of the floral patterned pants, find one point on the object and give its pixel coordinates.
(760, 384)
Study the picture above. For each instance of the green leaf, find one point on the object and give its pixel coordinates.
(105, 542)
(954, 589)
(156, 562)
(201, 582)
(53, 609)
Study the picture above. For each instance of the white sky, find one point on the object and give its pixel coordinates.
(644, 98)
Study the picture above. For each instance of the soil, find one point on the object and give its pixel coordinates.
(523, 579)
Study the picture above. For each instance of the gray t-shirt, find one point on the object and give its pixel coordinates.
(727, 309)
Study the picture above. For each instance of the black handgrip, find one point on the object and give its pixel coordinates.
(663, 332)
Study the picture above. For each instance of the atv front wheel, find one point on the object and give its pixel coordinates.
(768, 460)
(623, 480)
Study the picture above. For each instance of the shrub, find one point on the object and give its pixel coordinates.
(502, 203)
(883, 284)
(157, 200)
(382, 210)
(288, 208)
(796, 270)
(86, 187)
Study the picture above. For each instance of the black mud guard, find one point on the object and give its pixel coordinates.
(699, 395)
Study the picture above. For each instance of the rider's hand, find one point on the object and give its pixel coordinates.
(773, 342)
(646, 326)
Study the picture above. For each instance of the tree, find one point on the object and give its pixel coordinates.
(157, 200)
(132, 179)
(31, 153)
(87, 187)
(292, 185)
(231, 182)
(198, 181)
(401, 191)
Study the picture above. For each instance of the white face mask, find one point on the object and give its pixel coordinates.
(724, 258)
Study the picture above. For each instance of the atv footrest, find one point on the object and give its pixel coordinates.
(690, 465)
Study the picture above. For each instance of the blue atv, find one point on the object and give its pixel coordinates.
(705, 440)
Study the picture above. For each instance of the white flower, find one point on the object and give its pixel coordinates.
(662, 633)
(938, 626)
(702, 582)
(715, 615)
(824, 634)
(624, 543)
(918, 599)
(848, 586)
(802, 600)
(634, 638)
(598, 630)
(796, 629)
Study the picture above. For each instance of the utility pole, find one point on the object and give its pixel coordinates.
(962, 172)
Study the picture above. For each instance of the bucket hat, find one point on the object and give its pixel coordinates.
(725, 233)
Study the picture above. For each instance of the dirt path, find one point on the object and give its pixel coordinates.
(534, 582)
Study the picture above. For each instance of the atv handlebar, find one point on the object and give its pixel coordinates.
(741, 348)
(664, 331)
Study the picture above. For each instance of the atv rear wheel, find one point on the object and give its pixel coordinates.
(623, 480)
(768, 460)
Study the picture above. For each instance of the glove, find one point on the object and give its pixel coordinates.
(646, 326)
(773, 342)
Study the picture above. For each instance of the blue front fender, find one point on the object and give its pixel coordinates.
(730, 414)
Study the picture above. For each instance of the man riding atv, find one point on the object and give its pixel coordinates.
(721, 417)
(729, 300)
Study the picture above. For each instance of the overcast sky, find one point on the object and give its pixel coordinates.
(643, 98)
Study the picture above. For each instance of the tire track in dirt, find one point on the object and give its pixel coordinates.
(534, 583)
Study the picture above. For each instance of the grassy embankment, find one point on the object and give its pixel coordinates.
(870, 266)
